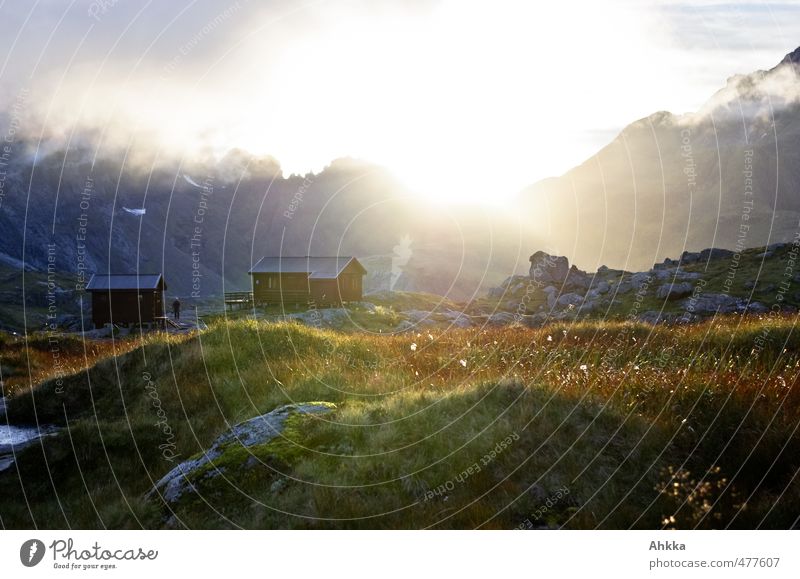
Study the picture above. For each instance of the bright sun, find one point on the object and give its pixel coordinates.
(462, 103)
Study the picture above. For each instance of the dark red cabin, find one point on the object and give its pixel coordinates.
(126, 298)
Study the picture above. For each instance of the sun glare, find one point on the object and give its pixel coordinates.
(460, 102)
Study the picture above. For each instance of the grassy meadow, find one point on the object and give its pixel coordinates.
(577, 425)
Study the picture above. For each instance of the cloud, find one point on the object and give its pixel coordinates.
(516, 91)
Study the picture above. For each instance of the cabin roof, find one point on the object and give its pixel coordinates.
(315, 267)
(125, 281)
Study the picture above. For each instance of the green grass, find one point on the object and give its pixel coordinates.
(644, 427)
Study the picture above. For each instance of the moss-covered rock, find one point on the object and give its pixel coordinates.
(254, 442)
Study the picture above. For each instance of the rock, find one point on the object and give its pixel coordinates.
(254, 432)
(755, 308)
(711, 303)
(501, 319)
(546, 268)
(602, 287)
(674, 291)
(278, 485)
(497, 292)
(570, 299)
(641, 280)
(552, 295)
(622, 287)
(463, 322)
(519, 287)
(715, 253)
(577, 279)
(511, 285)
(404, 326)
(417, 316)
(689, 257)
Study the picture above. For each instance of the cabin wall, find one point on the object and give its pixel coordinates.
(126, 307)
(294, 288)
(350, 287)
(274, 288)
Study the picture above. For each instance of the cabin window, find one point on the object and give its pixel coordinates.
(271, 282)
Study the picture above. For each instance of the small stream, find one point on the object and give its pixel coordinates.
(15, 438)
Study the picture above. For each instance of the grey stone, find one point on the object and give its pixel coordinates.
(622, 287)
(552, 295)
(710, 303)
(256, 431)
(756, 308)
(570, 299)
(577, 279)
(546, 268)
(641, 279)
(674, 291)
(714, 253)
(602, 287)
(501, 319)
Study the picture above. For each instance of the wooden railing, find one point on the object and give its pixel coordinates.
(241, 299)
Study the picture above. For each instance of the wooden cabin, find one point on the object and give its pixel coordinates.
(126, 298)
(306, 280)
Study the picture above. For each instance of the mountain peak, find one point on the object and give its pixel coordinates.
(791, 58)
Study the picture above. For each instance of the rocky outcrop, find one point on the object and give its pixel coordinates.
(548, 269)
(250, 434)
(564, 292)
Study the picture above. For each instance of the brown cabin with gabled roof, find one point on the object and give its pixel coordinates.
(126, 298)
(305, 280)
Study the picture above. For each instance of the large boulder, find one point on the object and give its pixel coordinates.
(674, 291)
(253, 433)
(712, 303)
(548, 269)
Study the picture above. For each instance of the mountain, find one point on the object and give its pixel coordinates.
(204, 222)
(727, 175)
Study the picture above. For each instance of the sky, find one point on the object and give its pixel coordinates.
(461, 100)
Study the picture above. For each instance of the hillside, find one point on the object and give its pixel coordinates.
(611, 425)
(204, 222)
(726, 176)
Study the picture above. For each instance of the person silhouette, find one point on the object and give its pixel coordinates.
(176, 309)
